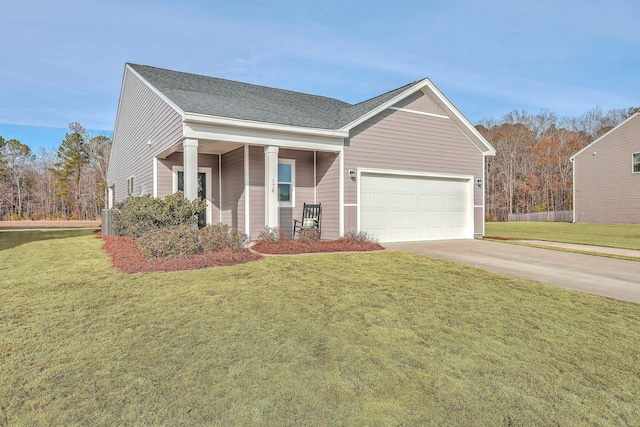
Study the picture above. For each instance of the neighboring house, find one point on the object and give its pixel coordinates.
(403, 166)
(606, 177)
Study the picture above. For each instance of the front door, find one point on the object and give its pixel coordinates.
(202, 193)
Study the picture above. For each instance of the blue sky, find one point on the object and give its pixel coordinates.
(63, 61)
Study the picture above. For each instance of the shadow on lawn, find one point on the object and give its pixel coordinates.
(12, 238)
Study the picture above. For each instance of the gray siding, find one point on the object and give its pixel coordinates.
(606, 190)
(328, 179)
(406, 141)
(422, 103)
(233, 189)
(350, 218)
(256, 191)
(142, 116)
(303, 186)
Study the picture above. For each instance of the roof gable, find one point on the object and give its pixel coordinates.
(606, 135)
(215, 97)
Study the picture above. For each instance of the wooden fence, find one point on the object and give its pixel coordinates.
(557, 216)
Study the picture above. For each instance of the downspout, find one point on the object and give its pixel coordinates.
(220, 186)
(573, 186)
(247, 219)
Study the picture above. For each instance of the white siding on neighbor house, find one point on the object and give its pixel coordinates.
(410, 142)
(142, 117)
(605, 188)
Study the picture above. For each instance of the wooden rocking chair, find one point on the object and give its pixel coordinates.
(311, 214)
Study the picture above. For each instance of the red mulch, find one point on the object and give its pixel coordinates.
(290, 247)
(126, 257)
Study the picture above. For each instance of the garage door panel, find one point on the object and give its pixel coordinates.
(413, 208)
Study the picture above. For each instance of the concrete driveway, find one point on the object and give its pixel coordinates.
(597, 275)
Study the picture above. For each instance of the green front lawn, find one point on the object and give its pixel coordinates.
(382, 338)
(614, 236)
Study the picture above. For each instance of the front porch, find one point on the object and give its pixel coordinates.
(252, 186)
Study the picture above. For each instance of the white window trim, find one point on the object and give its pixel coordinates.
(131, 190)
(292, 203)
(633, 162)
(207, 172)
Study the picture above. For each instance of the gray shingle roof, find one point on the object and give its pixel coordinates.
(226, 98)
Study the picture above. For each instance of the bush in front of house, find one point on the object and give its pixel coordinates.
(178, 240)
(221, 237)
(184, 240)
(276, 241)
(139, 215)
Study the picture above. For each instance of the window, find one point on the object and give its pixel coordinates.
(130, 186)
(636, 162)
(286, 182)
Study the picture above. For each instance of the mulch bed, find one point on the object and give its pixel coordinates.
(126, 257)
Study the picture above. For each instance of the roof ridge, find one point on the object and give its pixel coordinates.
(262, 86)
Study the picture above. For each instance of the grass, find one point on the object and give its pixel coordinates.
(608, 235)
(382, 338)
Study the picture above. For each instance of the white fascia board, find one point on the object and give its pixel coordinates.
(382, 107)
(156, 91)
(483, 145)
(431, 90)
(243, 135)
(273, 127)
(602, 137)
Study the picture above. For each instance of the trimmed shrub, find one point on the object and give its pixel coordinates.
(310, 235)
(221, 237)
(137, 216)
(177, 240)
(183, 240)
(357, 237)
(272, 235)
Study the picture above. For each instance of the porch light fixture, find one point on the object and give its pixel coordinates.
(352, 173)
(479, 182)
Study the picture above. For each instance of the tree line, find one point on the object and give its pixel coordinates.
(531, 171)
(70, 183)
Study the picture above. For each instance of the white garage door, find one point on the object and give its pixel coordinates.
(400, 208)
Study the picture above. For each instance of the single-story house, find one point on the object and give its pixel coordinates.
(606, 177)
(405, 165)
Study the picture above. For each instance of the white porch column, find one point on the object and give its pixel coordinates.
(271, 186)
(190, 147)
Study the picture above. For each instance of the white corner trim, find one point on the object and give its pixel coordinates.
(341, 193)
(315, 177)
(155, 176)
(422, 113)
(247, 197)
(220, 186)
